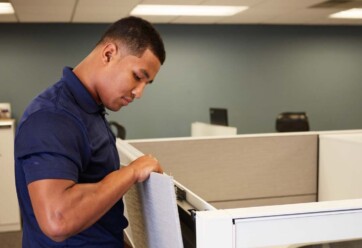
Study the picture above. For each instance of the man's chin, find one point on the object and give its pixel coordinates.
(115, 109)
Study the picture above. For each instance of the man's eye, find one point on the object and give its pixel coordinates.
(136, 77)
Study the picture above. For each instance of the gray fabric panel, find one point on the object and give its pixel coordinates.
(242, 167)
(133, 203)
(264, 202)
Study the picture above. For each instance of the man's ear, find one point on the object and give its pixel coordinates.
(108, 56)
(109, 51)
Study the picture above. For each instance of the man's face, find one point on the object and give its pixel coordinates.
(125, 77)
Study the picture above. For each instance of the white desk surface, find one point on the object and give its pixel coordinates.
(281, 225)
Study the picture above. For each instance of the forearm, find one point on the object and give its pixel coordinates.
(64, 208)
(80, 205)
(89, 202)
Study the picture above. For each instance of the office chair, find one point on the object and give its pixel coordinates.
(121, 131)
(292, 122)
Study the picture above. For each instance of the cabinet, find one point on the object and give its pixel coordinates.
(9, 207)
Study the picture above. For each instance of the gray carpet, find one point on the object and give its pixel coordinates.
(10, 239)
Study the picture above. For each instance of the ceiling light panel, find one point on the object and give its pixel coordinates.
(186, 10)
(6, 8)
(348, 14)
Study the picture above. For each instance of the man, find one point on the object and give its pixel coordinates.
(68, 179)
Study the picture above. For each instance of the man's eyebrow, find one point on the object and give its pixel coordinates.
(145, 73)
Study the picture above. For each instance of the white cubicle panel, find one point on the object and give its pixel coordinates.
(340, 166)
(204, 129)
(291, 225)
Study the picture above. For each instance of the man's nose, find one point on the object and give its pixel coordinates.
(138, 91)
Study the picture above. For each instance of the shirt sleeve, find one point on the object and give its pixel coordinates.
(51, 145)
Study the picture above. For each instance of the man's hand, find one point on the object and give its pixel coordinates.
(143, 166)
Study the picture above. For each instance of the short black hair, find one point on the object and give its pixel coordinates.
(137, 35)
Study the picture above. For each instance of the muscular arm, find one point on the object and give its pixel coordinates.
(64, 208)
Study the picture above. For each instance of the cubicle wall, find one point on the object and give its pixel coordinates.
(239, 174)
(242, 171)
(199, 129)
(340, 166)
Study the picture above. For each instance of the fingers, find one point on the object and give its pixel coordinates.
(144, 165)
(158, 169)
(152, 157)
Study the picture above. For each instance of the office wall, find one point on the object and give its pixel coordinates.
(254, 71)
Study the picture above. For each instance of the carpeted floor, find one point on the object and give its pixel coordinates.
(10, 239)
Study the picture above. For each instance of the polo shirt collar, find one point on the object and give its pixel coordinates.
(80, 93)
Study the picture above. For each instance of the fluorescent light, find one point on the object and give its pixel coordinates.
(6, 8)
(186, 10)
(351, 13)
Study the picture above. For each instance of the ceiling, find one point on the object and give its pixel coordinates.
(300, 12)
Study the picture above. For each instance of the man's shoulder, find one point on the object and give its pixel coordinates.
(46, 99)
(55, 99)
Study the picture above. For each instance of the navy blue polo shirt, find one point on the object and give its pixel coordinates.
(63, 135)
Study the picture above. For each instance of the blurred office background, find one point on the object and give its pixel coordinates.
(255, 71)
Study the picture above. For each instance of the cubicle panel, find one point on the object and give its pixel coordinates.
(282, 226)
(199, 129)
(241, 168)
(263, 201)
(295, 230)
(340, 166)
